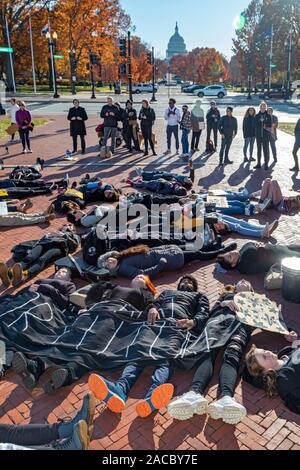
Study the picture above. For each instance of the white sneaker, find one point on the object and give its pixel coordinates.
(25, 151)
(227, 409)
(265, 205)
(186, 406)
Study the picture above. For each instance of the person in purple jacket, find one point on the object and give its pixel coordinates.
(23, 118)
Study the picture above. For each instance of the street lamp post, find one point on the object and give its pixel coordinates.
(289, 45)
(129, 67)
(249, 97)
(153, 99)
(73, 70)
(52, 39)
(93, 97)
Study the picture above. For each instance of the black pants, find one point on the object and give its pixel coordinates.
(196, 139)
(232, 356)
(147, 134)
(214, 129)
(295, 152)
(29, 435)
(37, 259)
(38, 366)
(82, 139)
(128, 136)
(263, 144)
(24, 135)
(24, 193)
(226, 144)
(170, 131)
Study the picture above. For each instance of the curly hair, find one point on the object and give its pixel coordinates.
(255, 370)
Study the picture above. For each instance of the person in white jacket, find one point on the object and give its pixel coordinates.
(13, 110)
(173, 118)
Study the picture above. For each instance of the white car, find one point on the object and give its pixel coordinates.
(213, 90)
(144, 88)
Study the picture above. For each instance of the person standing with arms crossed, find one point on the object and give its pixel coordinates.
(77, 117)
(147, 117)
(228, 128)
(213, 119)
(173, 117)
(111, 115)
(263, 124)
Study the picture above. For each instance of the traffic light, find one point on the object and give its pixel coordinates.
(94, 59)
(122, 70)
(149, 58)
(123, 47)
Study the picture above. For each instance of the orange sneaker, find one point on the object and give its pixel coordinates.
(160, 397)
(108, 392)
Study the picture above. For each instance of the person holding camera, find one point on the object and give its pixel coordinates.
(24, 121)
(173, 118)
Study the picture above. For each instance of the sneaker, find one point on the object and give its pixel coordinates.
(227, 409)
(295, 169)
(270, 228)
(186, 406)
(159, 398)
(79, 440)
(265, 205)
(146, 154)
(167, 152)
(108, 392)
(30, 151)
(25, 151)
(86, 413)
(177, 152)
(21, 366)
(252, 159)
(57, 380)
(17, 274)
(228, 162)
(4, 275)
(257, 167)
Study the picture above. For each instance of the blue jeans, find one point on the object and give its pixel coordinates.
(242, 226)
(131, 373)
(170, 131)
(185, 141)
(236, 207)
(249, 141)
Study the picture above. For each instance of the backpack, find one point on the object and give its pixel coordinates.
(93, 247)
(210, 146)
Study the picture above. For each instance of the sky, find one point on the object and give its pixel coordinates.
(202, 23)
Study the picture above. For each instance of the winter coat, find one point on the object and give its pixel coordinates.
(197, 119)
(263, 124)
(213, 118)
(147, 117)
(77, 126)
(23, 118)
(249, 127)
(111, 121)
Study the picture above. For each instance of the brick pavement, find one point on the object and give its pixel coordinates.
(268, 425)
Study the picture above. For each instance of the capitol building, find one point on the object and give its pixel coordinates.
(176, 45)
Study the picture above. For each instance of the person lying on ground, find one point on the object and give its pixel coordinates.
(149, 261)
(18, 206)
(189, 310)
(227, 224)
(184, 180)
(277, 374)
(226, 407)
(160, 186)
(256, 258)
(24, 189)
(140, 294)
(74, 434)
(271, 197)
(20, 219)
(34, 256)
(185, 310)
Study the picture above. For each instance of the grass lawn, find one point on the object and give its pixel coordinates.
(5, 123)
(63, 89)
(287, 127)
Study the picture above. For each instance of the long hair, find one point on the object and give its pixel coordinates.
(221, 259)
(150, 286)
(115, 196)
(247, 114)
(268, 376)
(134, 250)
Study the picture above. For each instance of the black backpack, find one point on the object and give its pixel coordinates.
(210, 146)
(93, 247)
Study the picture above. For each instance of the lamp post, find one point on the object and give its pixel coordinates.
(73, 63)
(289, 44)
(52, 40)
(153, 99)
(129, 67)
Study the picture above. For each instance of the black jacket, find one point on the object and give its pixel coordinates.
(147, 117)
(77, 127)
(263, 124)
(111, 121)
(228, 126)
(213, 118)
(297, 130)
(288, 379)
(128, 115)
(249, 127)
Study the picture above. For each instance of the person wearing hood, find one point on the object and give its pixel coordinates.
(198, 125)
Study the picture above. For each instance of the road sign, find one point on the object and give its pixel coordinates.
(6, 49)
(273, 66)
(59, 57)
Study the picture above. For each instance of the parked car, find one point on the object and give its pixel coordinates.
(275, 94)
(144, 88)
(192, 88)
(213, 90)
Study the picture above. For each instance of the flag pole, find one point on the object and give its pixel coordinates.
(10, 55)
(271, 59)
(32, 55)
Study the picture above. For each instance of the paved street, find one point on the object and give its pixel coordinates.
(269, 425)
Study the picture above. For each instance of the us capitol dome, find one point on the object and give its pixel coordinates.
(176, 45)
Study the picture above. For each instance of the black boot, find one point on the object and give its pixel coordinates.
(29, 370)
(296, 167)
